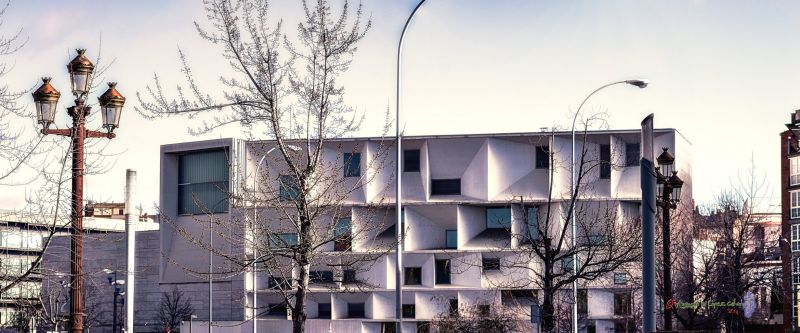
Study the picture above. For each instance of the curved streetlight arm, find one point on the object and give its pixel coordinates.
(574, 192)
(399, 176)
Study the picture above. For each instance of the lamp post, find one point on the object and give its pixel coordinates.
(255, 216)
(574, 191)
(111, 102)
(669, 188)
(112, 280)
(399, 175)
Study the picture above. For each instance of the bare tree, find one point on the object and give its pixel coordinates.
(174, 308)
(477, 318)
(285, 90)
(606, 240)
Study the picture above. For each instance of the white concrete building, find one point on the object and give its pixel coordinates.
(459, 193)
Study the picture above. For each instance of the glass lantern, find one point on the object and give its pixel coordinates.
(111, 103)
(80, 73)
(46, 100)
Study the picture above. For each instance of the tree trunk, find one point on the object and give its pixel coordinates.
(299, 308)
(548, 306)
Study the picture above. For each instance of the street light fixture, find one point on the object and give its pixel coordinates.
(640, 83)
(113, 281)
(669, 188)
(111, 103)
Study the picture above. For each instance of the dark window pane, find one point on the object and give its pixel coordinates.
(411, 160)
(278, 309)
(605, 161)
(349, 276)
(453, 306)
(533, 223)
(443, 271)
(484, 309)
(389, 327)
(409, 311)
(321, 276)
(324, 310)
(491, 264)
(352, 164)
(413, 276)
(622, 304)
(277, 282)
(445, 186)
(423, 327)
(498, 217)
(451, 239)
(203, 182)
(342, 234)
(289, 188)
(583, 301)
(283, 240)
(632, 154)
(542, 157)
(355, 310)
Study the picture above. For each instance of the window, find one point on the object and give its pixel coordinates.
(622, 304)
(566, 264)
(423, 327)
(490, 264)
(620, 278)
(443, 271)
(484, 310)
(278, 309)
(533, 223)
(451, 239)
(542, 157)
(352, 164)
(203, 182)
(632, 155)
(445, 186)
(795, 237)
(320, 276)
(283, 240)
(624, 327)
(605, 161)
(453, 306)
(498, 217)
(388, 327)
(289, 188)
(355, 310)
(583, 302)
(324, 310)
(794, 171)
(411, 160)
(277, 282)
(795, 204)
(349, 276)
(409, 311)
(413, 276)
(342, 234)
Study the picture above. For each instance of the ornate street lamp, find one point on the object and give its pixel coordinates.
(80, 73)
(46, 99)
(111, 102)
(669, 189)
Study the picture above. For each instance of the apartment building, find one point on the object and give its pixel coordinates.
(790, 217)
(462, 216)
(22, 239)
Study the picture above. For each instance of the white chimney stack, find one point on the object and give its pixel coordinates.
(130, 219)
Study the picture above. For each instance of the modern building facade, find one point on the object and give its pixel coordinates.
(464, 196)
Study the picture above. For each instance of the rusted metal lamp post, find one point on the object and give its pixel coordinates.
(669, 190)
(111, 102)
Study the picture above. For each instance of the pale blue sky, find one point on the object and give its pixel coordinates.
(724, 73)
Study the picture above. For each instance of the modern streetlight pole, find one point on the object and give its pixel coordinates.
(574, 192)
(112, 280)
(399, 175)
(111, 102)
(255, 218)
(669, 188)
